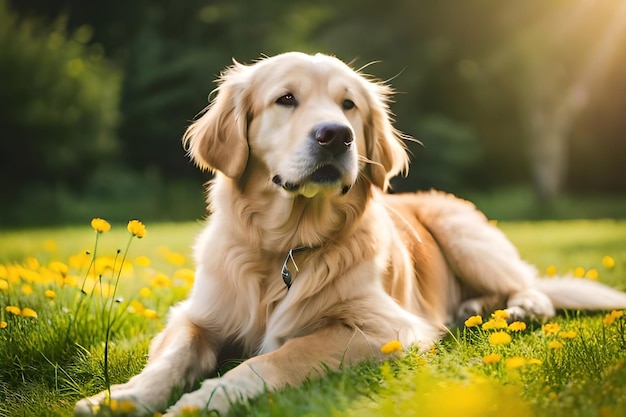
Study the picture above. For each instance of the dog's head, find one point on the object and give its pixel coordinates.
(313, 123)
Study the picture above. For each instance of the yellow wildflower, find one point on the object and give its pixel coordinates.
(100, 225)
(145, 292)
(4, 285)
(534, 361)
(175, 258)
(50, 294)
(491, 358)
(515, 362)
(27, 289)
(137, 307)
(29, 312)
(612, 316)
(185, 274)
(569, 334)
(122, 407)
(497, 323)
(189, 411)
(14, 310)
(391, 347)
(551, 328)
(3, 324)
(551, 271)
(608, 262)
(499, 338)
(137, 228)
(149, 313)
(517, 326)
(473, 321)
(59, 267)
(579, 272)
(32, 263)
(142, 261)
(592, 274)
(161, 280)
(555, 344)
(500, 314)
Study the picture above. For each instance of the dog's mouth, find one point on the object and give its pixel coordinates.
(324, 177)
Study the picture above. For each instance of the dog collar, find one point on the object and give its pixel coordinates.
(285, 273)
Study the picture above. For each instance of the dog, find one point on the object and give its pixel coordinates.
(306, 262)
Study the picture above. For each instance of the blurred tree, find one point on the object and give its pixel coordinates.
(59, 105)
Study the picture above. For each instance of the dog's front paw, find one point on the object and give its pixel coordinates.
(212, 395)
(120, 403)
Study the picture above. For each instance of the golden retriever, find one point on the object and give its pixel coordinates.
(306, 263)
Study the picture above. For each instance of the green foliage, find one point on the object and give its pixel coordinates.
(60, 103)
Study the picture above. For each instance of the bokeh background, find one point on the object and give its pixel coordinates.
(519, 105)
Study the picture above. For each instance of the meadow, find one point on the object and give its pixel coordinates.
(79, 307)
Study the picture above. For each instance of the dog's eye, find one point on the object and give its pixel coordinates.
(348, 104)
(287, 100)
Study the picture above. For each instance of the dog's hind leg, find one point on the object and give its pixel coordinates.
(481, 257)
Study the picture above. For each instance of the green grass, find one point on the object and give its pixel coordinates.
(48, 363)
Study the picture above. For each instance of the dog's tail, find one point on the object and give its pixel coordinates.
(579, 293)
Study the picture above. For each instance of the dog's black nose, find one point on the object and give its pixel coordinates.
(334, 137)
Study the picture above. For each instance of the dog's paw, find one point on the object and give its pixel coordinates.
(473, 307)
(211, 396)
(530, 303)
(119, 403)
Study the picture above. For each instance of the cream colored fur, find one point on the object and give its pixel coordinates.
(376, 267)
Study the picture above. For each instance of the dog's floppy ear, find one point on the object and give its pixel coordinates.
(218, 139)
(386, 151)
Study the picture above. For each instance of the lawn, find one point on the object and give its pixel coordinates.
(58, 318)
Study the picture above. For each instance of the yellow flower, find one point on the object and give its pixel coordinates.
(497, 323)
(517, 326)
(189, 411)
(391, 347)
(555, 344)
(3, 324)
(570, 334)
(534, 361)
(27, 289)
(145, 292)
(149, 313)
(491, 358)
(612, 316)
(175, 258)
(4, 285)
(50, 294)
(29, 312)
(592, 274)
(100, 225)
(59, 267)
(473, 321)
(142, 261)
(14, 310)
(499, 338)
(137, 307)
(551, 328)
(122, 407)
(500, 314)
(137, 228)
(515, 362)
(551, 271)
(579, 272)
(161, 280)
(608, 262)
